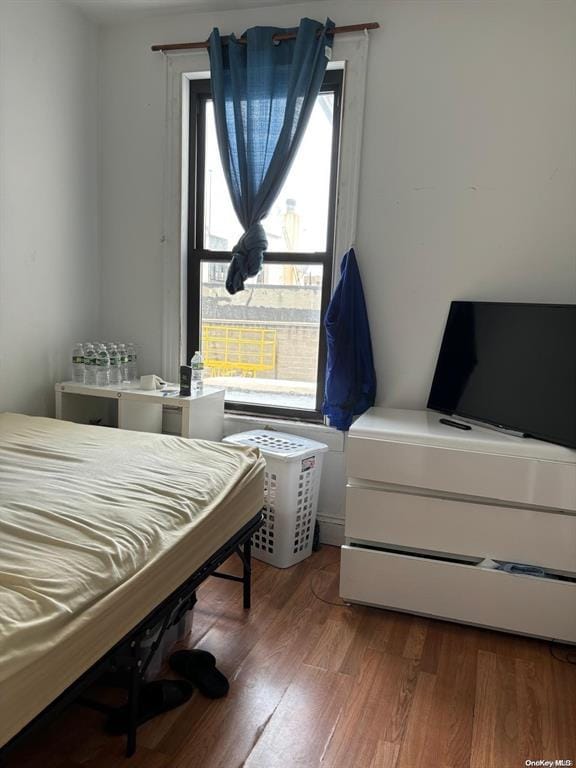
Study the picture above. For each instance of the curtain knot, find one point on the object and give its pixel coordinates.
(247, 257)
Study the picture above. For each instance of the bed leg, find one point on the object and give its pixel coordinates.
(133, 701)
(247, 572)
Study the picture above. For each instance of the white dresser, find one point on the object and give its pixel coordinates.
(426, 504)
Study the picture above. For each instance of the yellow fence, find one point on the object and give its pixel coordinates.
(233, 350)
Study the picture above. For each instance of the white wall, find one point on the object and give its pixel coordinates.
(468, 183)
(49, 262)
(473, 196)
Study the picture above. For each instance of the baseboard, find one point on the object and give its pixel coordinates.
(331, 530)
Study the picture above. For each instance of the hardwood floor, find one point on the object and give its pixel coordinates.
(317, 683)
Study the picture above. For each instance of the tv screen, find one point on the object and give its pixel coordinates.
(511, 365)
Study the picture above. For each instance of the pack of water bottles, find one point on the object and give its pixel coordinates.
(104, 363)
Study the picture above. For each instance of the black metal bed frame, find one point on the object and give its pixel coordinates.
(126, 655)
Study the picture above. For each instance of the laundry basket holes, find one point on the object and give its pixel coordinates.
(276, 444)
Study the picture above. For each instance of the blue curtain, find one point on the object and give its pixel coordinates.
(350, 387)
(263, 92)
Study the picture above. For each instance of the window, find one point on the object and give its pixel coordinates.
(265, 345)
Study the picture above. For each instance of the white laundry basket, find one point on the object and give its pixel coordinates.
(291, 487)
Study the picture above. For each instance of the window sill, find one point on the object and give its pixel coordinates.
(267, 394)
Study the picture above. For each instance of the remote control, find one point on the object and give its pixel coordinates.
(456, 424)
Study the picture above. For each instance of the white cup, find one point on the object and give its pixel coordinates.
(148, 381)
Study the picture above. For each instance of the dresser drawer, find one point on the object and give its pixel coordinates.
(514, 479)
(461, 527)
(466, 593)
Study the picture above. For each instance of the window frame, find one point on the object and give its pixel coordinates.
(199, 94)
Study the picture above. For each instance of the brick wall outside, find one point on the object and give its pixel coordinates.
(296, 349)
(297, 352)
(293, 312)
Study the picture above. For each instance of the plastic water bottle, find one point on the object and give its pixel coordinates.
(102, 367)
(197, 365)
(78, 363)
(115, 367)
(89, 364)
(132, 364)
(123, 361)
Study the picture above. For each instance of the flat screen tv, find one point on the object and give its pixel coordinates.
(510, 365)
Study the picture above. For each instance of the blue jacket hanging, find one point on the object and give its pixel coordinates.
(350, 377)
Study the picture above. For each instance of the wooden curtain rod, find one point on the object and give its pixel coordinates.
(288, 36)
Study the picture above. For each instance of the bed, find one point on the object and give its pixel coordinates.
(101, 532)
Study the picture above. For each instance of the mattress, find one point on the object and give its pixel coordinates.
(97, 527)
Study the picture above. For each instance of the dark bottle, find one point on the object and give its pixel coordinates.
(185, 380)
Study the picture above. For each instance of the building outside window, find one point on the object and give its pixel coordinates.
(266, 344)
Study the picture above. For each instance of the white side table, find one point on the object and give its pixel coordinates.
(199, 416)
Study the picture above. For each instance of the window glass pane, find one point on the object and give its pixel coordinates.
(262, 343)
(298, 220)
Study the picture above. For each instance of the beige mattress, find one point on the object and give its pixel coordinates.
(97, 526)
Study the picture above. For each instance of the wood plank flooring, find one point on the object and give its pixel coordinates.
(317, 683)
